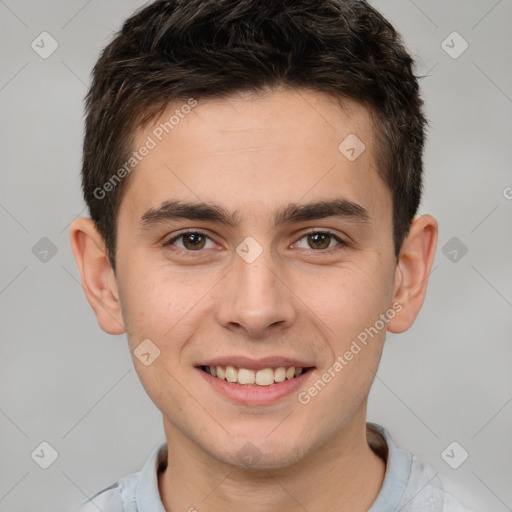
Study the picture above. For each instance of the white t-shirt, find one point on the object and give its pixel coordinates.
(410, 485)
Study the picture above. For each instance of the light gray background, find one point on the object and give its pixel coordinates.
(62, 380)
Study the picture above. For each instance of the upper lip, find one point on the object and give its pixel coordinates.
(257, 364)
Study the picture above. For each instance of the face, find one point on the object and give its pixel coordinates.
(248, 239)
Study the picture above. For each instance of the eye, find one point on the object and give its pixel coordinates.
(190, 241)
(320, 240)
(195, 241)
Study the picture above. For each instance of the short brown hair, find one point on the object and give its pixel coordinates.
(172, 50)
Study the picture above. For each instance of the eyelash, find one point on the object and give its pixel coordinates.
(169, 243)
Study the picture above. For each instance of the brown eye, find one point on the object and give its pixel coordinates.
(319, 240)
(192, 241)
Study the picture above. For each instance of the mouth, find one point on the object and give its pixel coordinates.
(251, 382)
(254, 377)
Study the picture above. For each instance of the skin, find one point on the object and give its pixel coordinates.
(254, 154)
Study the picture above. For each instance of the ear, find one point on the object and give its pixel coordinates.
(413, 270)
(98, 278)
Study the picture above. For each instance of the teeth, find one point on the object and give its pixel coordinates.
(231, 374)
(247, 376)
(280, 374)
(290, 373)
(263, 377)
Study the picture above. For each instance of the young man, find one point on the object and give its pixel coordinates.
(253, 171)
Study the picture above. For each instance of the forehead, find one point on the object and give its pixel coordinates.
(251, 152)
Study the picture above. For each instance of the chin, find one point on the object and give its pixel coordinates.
(262, 454)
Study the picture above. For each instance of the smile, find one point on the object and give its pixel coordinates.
(248, 377)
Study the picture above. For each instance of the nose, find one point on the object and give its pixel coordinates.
(254, 298)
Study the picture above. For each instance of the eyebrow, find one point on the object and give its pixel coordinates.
(294, 212)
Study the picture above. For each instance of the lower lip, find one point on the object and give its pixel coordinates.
(256, 395)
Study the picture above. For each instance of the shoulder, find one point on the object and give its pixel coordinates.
(140, 487)
(107, 500)
(115, 498)
(425, 490)
(410, 484)
(452, 505)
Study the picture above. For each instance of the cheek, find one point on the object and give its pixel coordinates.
(355, 314)
(160, 308)
(351, 314)
(348, 300)
(155, 304)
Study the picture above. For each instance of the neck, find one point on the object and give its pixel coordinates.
(342, 475)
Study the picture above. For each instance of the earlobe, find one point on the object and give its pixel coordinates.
(98, 279)
(413, 270)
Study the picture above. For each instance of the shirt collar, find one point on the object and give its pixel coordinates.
(398, 467)
(147, 495)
